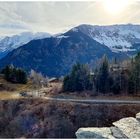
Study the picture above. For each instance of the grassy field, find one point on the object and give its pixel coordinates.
(5, 95)
(11, 91)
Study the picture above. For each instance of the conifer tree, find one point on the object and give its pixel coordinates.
(7, 72)
(79, 79)
(103, 76)
(14, 75)
(134, 79)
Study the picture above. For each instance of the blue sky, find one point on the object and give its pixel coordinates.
(54, 17)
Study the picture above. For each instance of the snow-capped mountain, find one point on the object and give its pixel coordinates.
(85, 44)
(119, 38)
(56, 55)
(7, 44)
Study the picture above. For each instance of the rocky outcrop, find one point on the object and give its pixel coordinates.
(129, 126)
(124, 128)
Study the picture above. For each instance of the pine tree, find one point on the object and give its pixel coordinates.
(7, 72)
(67, 84)
(116, 88)
(79, 79)
(21, 76)
(132, 84)
(15, 75)
(102, 81)
(134, 78)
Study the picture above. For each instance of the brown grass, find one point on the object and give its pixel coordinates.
(10, 90)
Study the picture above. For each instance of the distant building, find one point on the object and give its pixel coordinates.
(117, 67)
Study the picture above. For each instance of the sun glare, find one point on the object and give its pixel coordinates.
(115, 6)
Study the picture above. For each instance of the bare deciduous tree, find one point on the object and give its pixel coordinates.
(38, 80)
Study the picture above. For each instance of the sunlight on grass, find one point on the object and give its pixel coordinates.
(4, 95)
(12, 91)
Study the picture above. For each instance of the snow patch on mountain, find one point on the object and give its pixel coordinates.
(119, 38)
(62, 36)
(13, 42)
(10, 43)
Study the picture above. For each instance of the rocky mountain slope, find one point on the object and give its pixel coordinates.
(119, 38)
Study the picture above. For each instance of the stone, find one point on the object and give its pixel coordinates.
(138, 116)
(117, 133)
(93, 132)
(130, 127)
(123, 129)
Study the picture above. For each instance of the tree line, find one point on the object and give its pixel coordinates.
(108, 77)
(14, 75)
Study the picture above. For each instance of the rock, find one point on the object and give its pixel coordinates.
(98, 133)
(122, 129)
(130, 127)
(138, 116)
(117, 133)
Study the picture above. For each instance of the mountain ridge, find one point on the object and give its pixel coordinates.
(100, 33)
(119, 38)
(54, 56)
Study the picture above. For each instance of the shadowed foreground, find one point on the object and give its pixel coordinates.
(38, 118)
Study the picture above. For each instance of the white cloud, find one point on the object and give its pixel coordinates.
(55, 17)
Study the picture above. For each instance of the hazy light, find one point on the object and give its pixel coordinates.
(115, 6)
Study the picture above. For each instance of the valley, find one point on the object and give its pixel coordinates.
(70, 69)
(52, 86)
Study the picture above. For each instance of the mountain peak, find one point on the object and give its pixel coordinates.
(119, 38)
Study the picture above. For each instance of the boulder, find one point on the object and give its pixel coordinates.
(97, 133)
(130, 127)
(122, 129)
(117, 133)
